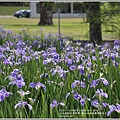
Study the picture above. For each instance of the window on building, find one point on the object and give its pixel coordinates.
(38, 7)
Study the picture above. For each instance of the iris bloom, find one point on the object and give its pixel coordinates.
(95, 103)
(72, 67)
(78, 83)
(104, 81)
(16, 78)
(23, 93)
(81, 68)
(94, 83)
(60, 71)
(79, 97)
(113, 108)
(22, 104)
(67, 95)
(55, 104)
(38, 85)
(101, 93)
(4, 94)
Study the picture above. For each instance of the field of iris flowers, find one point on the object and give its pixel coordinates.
(44, 76)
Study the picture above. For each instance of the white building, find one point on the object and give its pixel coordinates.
(67, 10)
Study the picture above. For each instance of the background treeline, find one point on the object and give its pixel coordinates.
(14, 3)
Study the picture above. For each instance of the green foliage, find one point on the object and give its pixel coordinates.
(110, 16)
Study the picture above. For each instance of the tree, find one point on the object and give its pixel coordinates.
(94, 19)
(110, 16)
(102, 13)
(46, 13)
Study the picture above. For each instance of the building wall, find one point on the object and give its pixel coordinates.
(34, 14)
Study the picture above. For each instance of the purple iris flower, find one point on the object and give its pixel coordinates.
(78, 83)
(95, 103)
(69, 61)
(104, 81)
(94, 58)
(60, 71)
(23, 93)
(116, 64)
(113, 58)
(82, 84)
(55, 104)
(89, 64)
(48, 60)
(8, 62)
(77, 96)
(2, 72)
(67, 95)
(18, 80)
(89, 76)
(112, 109)
(82, 100)
(15, 72)
(101, 93)
(38, 85)
(94, 83)
(32, 85)
(2, 56)
(3, 94)
(72, 67)
(104, 104)
(22, 104)
(81, 68)
(118, 108)
(56, 56)
(35, 43)
(117, 42)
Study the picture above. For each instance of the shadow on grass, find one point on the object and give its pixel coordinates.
(18, 25)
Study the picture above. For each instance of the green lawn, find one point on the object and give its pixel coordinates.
(9, 10)
(69, 27)
(72, 27)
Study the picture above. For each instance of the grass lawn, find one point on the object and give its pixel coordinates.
(72, 27)
(9, 10)
(69, 27)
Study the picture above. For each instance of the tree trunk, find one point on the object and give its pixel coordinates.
(46, 13)
(94, 20)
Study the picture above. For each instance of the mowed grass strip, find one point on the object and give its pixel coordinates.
(77, 28)
(72, 27)
(10, 10)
